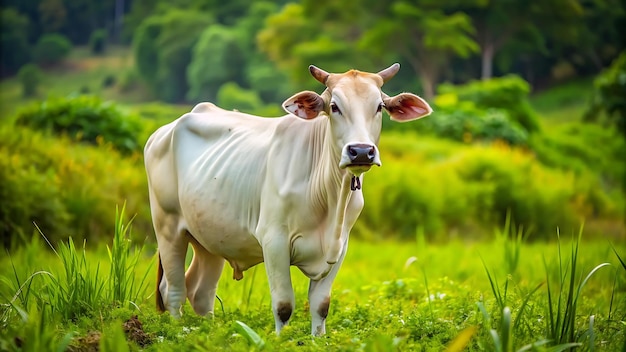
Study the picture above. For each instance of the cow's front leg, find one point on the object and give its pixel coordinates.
(319, 296)
(277, 259)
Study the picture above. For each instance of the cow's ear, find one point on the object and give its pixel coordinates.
(406, 107)
(306, 104)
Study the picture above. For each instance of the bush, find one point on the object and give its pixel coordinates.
(610, 95)
(98, 41)
(231, 96)
(66, 189)
(466, 190)
(580, 147)
(30, 77)
(465, 122)
(51, 49)
(509, 93)
(86, 118)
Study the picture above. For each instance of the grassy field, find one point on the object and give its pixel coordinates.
(502, 295)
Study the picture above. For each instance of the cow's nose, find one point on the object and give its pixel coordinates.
(361, 154)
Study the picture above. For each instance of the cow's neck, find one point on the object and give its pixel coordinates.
(330, 187)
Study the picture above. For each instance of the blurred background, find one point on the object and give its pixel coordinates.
(529, 100)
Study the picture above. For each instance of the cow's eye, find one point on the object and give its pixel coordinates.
(334, 108)
(380, 107)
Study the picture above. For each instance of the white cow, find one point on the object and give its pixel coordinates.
(284, 191)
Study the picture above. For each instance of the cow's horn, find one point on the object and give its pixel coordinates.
(389, 72)
(319, 74)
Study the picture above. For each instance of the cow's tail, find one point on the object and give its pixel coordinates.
(159, 299)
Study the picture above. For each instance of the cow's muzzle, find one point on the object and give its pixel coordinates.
(359, 157)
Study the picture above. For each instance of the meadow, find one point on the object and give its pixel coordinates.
(436, 263)
(501, 295)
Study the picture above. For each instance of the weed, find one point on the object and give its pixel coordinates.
(37, 334)
(124, 261)
(253, 338)
(563, 299)
(79, 289)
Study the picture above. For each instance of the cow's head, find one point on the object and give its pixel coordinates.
(354, 102)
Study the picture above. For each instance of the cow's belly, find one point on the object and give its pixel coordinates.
(223, 229)
(238, 247)
(307, 254)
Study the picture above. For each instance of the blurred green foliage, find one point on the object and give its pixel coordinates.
(163, 50)
(217, 47)
(30, 77)
(51, 49)
(98, 41)
(86, 118)
(65, 188)
(449, 190)
(610, 94)
(14, 43)
(250, 57)
(232, 96)
(508, 93)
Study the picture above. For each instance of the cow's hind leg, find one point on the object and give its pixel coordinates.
(173, 243)
(201, 279)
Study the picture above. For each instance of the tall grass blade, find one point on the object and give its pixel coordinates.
(430, 303)
(123, 288)
(114, 340)
(518, 319)
(505, 328)
(618, 257)
(251, 335)
(493, 282)
(461, 340)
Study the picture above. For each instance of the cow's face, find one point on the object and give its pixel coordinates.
(354, 102)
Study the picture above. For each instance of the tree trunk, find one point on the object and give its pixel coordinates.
(428, 86)
(488, 51)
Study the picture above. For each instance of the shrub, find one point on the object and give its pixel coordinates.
(98, 41)
(30, 77)
(108, 81)
(580, 147)
(466, 123)
(610, 94)
(52, 49)
(66, 189)
(231, 96)
(129, 80)
(467, 190)
(509, 93)
(86, 118)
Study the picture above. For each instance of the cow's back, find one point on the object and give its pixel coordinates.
(208, 167)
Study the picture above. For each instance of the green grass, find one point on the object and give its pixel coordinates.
(566, 102)
(81, 72)
(388, 296)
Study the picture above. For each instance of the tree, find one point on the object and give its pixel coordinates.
(52, 15)
(500, 22)
(427, 39)
(317, 32)
(163, 49)
(217, 58)
(13, 41)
